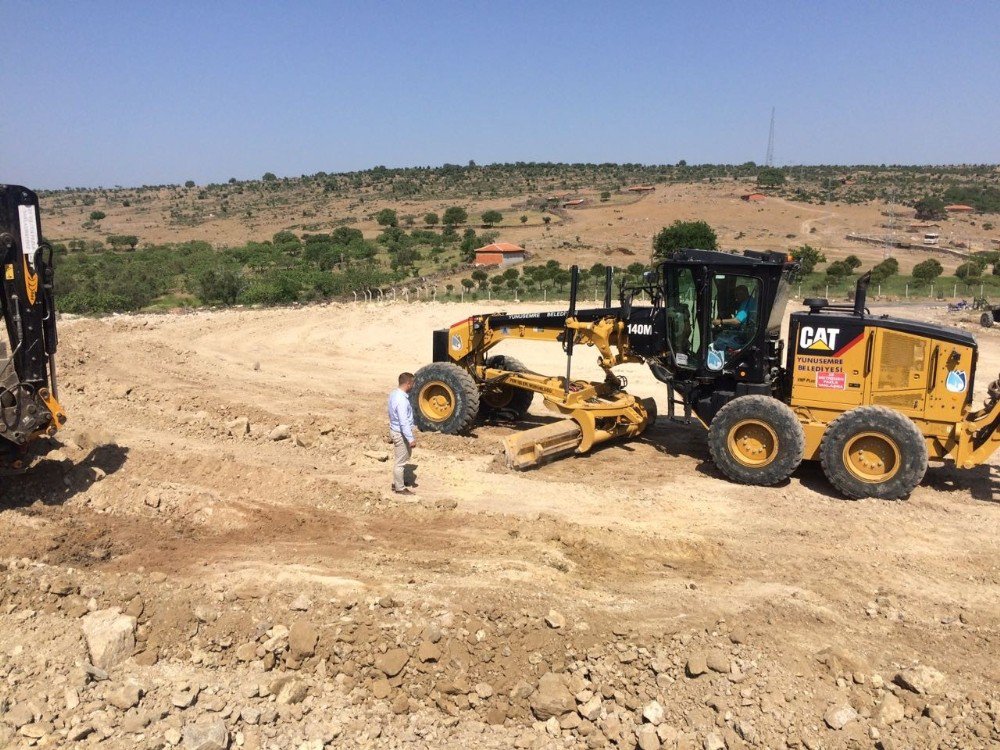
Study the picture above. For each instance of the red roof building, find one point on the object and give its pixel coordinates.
(959, 208)
(641, 189)
(753, 197)
(575, 202)
(499, 254)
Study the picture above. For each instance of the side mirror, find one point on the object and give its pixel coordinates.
(649, 276)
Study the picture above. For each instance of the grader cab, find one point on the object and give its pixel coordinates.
(873, 398)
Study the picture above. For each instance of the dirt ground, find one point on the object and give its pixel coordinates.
(220, 506)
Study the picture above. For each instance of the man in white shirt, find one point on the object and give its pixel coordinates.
(401, 431)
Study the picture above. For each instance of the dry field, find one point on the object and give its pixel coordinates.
(176, 574)
(616, 233)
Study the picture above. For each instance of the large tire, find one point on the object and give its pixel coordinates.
(504, 401)
(444, 398)
(756, 440)
(986, 319)
(873, 451)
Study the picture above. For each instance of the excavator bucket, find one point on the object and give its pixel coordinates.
(523, 450)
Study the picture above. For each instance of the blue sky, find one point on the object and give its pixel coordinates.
(130, 93)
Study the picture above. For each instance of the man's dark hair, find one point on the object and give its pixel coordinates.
(405, 377)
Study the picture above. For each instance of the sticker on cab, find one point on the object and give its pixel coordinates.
(834, 380)
(957, 381)
(456, 342)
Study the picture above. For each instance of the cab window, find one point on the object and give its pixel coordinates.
(735, 316)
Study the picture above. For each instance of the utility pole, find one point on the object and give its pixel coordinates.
(769, 159)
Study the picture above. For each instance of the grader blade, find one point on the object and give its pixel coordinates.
(523, 450)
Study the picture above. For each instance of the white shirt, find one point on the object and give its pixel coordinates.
(401, 414)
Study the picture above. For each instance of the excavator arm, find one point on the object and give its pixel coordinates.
(29, 406)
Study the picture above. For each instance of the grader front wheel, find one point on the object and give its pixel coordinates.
(756, 440)
(502, 401)
(444, 399)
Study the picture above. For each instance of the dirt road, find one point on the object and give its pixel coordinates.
(224, 483)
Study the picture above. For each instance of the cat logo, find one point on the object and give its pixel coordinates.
(641, 329)
(818, 339)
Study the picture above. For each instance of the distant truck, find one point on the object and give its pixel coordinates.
(931, 238)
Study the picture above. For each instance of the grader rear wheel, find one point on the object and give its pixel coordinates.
(501, 401)
(444, 399)
(873, 451)
(756, 440)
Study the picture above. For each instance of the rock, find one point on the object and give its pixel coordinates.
(696, 665)
(653, 713)
(400, 704)
(427, 651)
(555, 619)
(246, 652)
(238, 427)
(36, 731)
(551, 698)
(127, 696)
(281, 432)
(646, 737)
(591, 709)
(19, 716)
(301, 603)
(840, 716)
(381, 689)
(937, 714)
(920, 679)
(392, 662)
(72, 697)
(291, 692)
(80, 732)
(889, 710)
(714, 742)
(484, 690)
(738, 635)
(302, 639)
(717, 661)
(110, 637)
(212, 736)
(152, 499)
(184, 698)
(381, 456)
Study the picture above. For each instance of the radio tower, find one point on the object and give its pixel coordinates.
(769, 161)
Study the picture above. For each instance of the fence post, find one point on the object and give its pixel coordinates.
(954, 292)
(355, 297)
(907, 291)
(879, 290)
(932, 290)
(827, 295)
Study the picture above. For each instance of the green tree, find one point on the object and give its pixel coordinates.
(431, 219)
(269, 177)
(524, 219)
(930, 207)
(770, 177)
(807, 257)
(455, 215)
(885, 270)
(468, 283)
(969, 270)
(221, 286)
(491, 217)
(852, 262)
(189, 184)
(546, 220)
(928, 270)
(480, 276)
(605, 196)
(386, 218)
(838, 270)
(97, 215)
(684, 235)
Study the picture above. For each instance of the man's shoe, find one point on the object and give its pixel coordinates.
(405, 491)
(412, 485)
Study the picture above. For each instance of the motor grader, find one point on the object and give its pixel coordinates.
(29, 406)
(871, 397)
